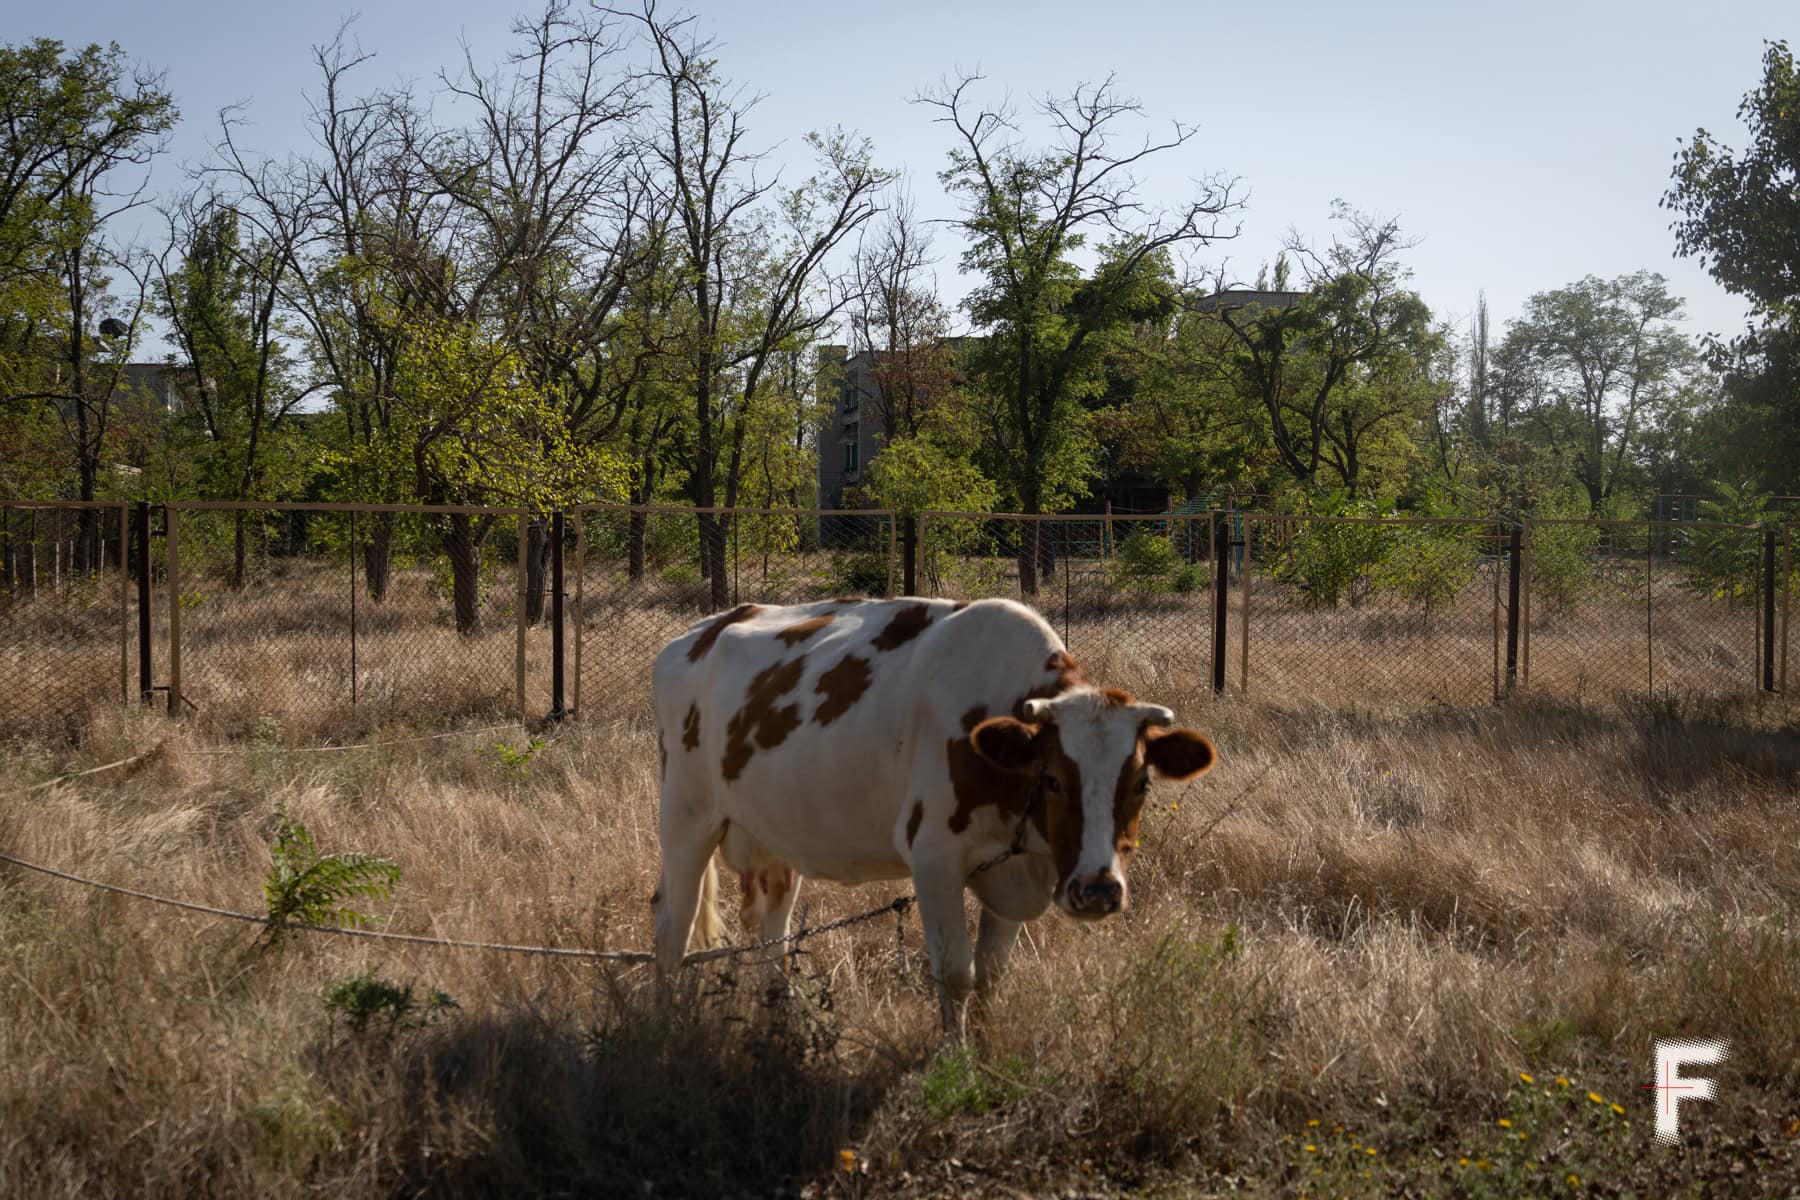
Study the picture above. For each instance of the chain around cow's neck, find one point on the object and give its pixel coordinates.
(1018, 842)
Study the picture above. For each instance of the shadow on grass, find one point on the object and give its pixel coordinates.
(644, 1102)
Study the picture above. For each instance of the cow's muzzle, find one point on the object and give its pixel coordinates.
(1099, 895)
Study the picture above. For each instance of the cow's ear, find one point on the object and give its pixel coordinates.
(1008, 744)
(1178, 753)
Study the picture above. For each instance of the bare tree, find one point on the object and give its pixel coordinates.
(1026, 211)
(755, 281)
(897, 319)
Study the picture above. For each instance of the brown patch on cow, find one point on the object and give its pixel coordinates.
(849, 599)
(710, 634)
(1116, 698)
(842, 686)
(1068, 672)
(761, 718)
(906, 625)
(1128, 801)
(690, 728)
(959, 606)
(793, 635)
(912, 822)
(974, 717)
(978, 783)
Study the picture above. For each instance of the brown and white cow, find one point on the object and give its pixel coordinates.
(857, 740)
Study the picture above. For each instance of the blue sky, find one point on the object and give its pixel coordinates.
(1527, 144)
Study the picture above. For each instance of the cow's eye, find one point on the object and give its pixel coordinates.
(1052, 784)
(1143, 785)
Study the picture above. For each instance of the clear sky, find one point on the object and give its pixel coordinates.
(1526, 143)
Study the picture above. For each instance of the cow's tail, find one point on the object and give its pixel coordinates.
(708, 930)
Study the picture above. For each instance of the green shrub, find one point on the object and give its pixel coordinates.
(1428, 565)
(308, 888)
(366, 999)
(1146, 561)
(1327, 562)
(859, 574)
(1561, 557)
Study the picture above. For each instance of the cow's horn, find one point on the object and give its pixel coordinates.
(1158, 715)
(1036, 710)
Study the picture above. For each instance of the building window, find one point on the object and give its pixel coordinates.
(852, 398)
(852, 449)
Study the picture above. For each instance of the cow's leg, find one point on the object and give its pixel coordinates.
(768, 905)
(687, 853)
(940, 893)
(993, 947)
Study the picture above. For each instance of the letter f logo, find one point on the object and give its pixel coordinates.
(1675, 1089)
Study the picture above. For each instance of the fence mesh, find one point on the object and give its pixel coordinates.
(308, 614)
(63, 613)
(647, 574)
(1622, 609)
(322, 619)
(1346, 611)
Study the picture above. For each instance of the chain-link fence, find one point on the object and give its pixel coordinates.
(318, 618)
(309, 613)
(644, 574)
(64, 613)
(1362, 611)
(1617, 608)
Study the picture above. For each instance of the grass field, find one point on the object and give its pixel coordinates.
(1349, 947)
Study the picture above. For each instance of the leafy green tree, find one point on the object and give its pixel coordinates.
(1739, 214)
(1027, 212)
(72, 126)
(1341, 369)
(1604, 359)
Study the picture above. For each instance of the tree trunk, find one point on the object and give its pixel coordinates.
(237, 551)
(1030, 550)
(537, 565)
(636, 525)
(376, 556)
(464, 551)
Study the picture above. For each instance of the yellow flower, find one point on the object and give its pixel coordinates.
(1561, 1082)
(1369, 1150)
(1574, 1181)
(1337, 1129)
(1311, 1149)
(1504, 1123)
(1619, 1108)
(1523, 1136)
(1596, 1097)
(1462, 1162)
(1483, 1163)
(847, 1159)
(1313, 1124)
(1524, 1078)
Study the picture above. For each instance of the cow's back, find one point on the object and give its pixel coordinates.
(807, 724)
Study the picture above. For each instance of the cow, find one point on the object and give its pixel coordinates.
(856, 740)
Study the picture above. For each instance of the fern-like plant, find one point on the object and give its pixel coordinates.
(305, 887)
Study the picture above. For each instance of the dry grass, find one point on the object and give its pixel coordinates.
(1403, 912)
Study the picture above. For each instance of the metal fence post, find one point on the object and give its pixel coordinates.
(523, 596)
(145, 692)
(1768, 610)
(172, 539)
(1221, 596)
(556, 616)
(909, 556)
(1515, 570)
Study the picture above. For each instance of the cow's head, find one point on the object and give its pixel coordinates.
(1091, 754)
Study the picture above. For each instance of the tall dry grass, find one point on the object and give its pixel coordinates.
(1402, 912)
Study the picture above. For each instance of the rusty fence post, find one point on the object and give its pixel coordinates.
(521, 598)
(909, 556)
(1515, 572)
(1768, 609)
(556, 616)
(142, 521)
(1221, 596)
(172, 543)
